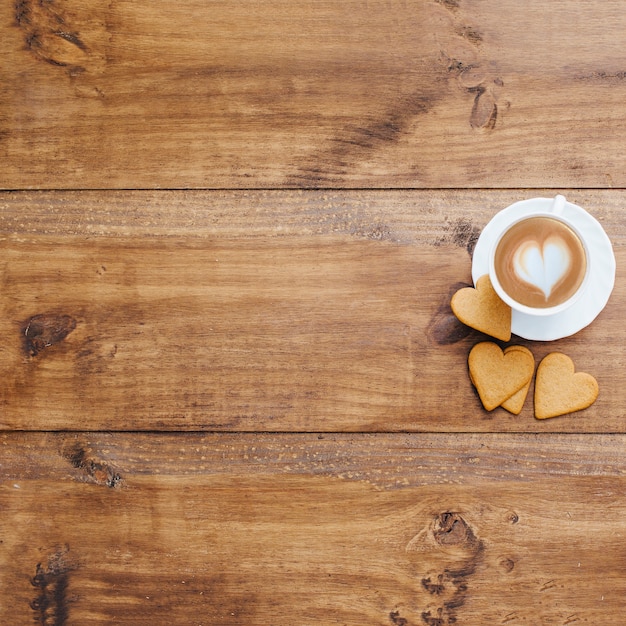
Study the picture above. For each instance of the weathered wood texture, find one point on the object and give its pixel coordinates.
(208, 316)
(390, 530)
(285, 93)
(303, 311)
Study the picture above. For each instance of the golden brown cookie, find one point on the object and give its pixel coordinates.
(559, 389)
(482, 309)
(515, 403)
(498, 375)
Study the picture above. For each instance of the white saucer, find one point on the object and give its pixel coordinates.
(601, 266)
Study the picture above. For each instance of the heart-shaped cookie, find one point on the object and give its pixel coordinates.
(482, 309)
(559, 389)
(497, 374)
(515, 403)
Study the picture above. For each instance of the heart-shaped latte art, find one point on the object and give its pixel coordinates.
(542, 265)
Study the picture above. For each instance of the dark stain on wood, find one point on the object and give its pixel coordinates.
(445, 328)
(434, 620)
(93, 470)
(603, 76)
(50, 605)
(462, 232)
(451, 531)
(45, 330)
(397, 619)
(471, 34)
(452, 5)
(410, 97)
(465, 234)
(43, 25)
(357, 142)
(435, 587)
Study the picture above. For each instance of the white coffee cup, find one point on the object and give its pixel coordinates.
(540, 264)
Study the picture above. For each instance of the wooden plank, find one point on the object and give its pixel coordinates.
(357, 93)
(263, 311)
(308, 529)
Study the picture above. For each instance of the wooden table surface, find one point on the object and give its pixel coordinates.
(232, 391)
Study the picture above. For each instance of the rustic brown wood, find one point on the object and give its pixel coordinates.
(263, 311)
(308, 529)
(209, 321)
(357, 93)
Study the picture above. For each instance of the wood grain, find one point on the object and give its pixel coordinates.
(306, 529)
(231, 230)
(263, 311)
(358, 93)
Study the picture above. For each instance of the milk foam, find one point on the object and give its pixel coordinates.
(542, 265)
(539, 262)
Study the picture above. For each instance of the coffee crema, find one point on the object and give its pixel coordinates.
(540, 262)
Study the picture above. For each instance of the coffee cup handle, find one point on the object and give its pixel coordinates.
(558, 204)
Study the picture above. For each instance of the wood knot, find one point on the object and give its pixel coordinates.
(93, 470)
(450, 529)
(506, 564)
(457, 560)
(512, 517)
(485, 108)
(71, 39)
(44, 330)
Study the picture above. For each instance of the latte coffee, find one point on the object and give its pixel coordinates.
(540, 262)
